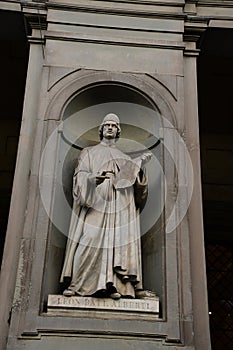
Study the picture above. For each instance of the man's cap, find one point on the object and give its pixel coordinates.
(111, 117)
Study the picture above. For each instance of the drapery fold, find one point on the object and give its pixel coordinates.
(103, 247)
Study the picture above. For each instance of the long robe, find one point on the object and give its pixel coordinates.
(103, 250)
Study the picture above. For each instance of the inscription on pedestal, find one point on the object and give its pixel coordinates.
(56, 302)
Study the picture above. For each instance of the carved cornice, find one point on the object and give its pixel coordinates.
(36, 14)
(175, 3)
(119, 8)
(36, 17)
(194, 26)
(211, 3)
(215, 3)
(36, 21)
(172, 45)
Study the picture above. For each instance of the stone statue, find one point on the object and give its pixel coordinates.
(103, 251)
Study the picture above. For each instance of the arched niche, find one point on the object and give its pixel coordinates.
(141, 124)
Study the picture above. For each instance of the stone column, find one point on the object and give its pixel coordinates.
(8, 283)
(195, 213)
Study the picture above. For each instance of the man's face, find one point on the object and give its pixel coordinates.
(110, 130)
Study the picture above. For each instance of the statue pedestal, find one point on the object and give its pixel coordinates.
(60, 303)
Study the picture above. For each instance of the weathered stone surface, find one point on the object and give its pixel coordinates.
(142, 47)
(56, 302)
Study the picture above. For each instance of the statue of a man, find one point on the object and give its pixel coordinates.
(103, 251)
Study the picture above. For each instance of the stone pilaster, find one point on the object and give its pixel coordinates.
(194, 28)
(10, 264)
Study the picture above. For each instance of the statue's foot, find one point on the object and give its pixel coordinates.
(68, 293)
(125, 279)
(115, 295)
(143, 294)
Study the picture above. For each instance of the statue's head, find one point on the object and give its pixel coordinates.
(113, 119)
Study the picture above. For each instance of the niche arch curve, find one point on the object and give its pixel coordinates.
(139, 92)
(74, 83)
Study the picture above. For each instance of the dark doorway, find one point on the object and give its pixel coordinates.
(215, 86)
(13, 66)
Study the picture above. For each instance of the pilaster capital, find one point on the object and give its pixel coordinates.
(35, 14)
(194, 26)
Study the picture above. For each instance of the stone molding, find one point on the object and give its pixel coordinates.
(215, 3)
(75, 81)
(141, 8)
(58, 303)
(113, 41)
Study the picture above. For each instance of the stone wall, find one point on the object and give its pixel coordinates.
(150, 48)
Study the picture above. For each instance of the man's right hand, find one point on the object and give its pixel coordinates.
(100, 179)
(97, 180)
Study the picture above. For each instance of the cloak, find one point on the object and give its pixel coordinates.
(103, 248)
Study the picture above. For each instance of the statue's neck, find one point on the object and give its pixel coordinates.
(108, 142)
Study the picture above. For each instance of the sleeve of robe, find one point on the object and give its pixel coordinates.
(83, 182)
(83, 193)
